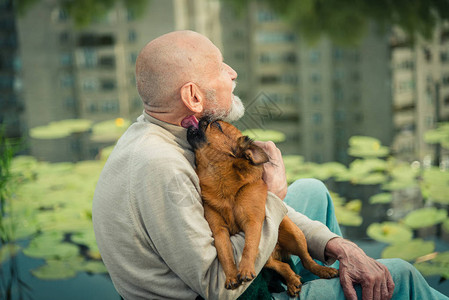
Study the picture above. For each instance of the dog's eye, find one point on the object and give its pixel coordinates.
(218, 126)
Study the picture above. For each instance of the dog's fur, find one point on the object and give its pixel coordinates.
(230, 166)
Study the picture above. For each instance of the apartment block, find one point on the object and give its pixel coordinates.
(325, 93)
(88, 73)
(420, 77)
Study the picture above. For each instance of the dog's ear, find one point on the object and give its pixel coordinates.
(248, 150)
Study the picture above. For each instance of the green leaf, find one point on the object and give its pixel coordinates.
(382, 198)
(96, 267)
(110, 130)
(425, 217)
(265, 135)
(409, 250)
(363, 146)
(59, 269)
(60, 129)
(436, 266)
(389, 232)
(50, 245)
(347, 217)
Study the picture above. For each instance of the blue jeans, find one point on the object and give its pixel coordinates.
(311, 198)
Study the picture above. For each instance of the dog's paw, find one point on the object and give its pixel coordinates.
(232, 283)
(246, 274)
(294, 285)
(326, 272)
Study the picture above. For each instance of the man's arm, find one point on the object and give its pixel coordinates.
(181, 236)
(357, 267)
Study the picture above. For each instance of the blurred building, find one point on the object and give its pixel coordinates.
(88, 73)
(10, 64)
(320, 94)
(420, 77)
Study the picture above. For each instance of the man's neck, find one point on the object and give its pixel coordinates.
(167, 117)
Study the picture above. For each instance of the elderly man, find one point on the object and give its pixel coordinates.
(147, 211)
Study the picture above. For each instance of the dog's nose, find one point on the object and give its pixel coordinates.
(195, 137)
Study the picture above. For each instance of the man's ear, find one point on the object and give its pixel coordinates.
(192, 97)
(248, 150)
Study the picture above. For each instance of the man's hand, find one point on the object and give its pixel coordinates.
(274, 170)
(357, 267)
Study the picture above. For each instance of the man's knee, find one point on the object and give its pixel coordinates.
(308, 184)
(310, 191)
(399, 268)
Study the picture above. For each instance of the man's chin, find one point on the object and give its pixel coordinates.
(237, 110)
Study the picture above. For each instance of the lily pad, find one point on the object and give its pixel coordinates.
(59, 269)
(265, 135)
(363, 146)
(50, 245)
(409, 250)
(60, 129)
(347, 217)
(382, 198)
(110, 130)
(389, 232)
(95, 267)
(437, 266)
(425, 217)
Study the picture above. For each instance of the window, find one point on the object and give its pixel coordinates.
(132, 36)
(107, 61)
(90, 84)
(108, 84)
(133, 57)
(314, 56)
(110, 106)
(66, 80)
(315, 77)
(66, 59)
(317, 118)
(316, 98)
(274, 37)
(90, 58)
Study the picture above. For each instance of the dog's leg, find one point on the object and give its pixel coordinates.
(292, 239)
(292, 279)
(249, 210)
(223, 245)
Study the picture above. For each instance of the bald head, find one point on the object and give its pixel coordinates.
(168, 62)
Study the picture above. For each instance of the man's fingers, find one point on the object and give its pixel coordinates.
(348, 287)
(390, 284)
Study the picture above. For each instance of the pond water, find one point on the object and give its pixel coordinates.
(97, 287)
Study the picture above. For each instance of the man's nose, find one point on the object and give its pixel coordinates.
(232, 73)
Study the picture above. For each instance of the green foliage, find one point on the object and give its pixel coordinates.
(425, 217)
(437, 266)
(389, 232)
(366, 147)
(60, 129)
(409, 250)
(52, 208)
(382, 198)
(85, 12)
(435, 185)
(440, 135)
(265, 135)
(346, 21)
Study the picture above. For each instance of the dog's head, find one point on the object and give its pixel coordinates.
(218, 141)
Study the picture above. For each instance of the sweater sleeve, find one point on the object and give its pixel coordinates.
(316, 233)
(170, 209)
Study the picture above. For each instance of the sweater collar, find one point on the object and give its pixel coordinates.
(179, 133)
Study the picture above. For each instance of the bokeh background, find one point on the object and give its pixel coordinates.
(354, 93)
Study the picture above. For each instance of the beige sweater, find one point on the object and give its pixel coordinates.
(149, 224)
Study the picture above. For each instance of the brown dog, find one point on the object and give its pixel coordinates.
(230, 166)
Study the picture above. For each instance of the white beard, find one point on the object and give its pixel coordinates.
(235, 112)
